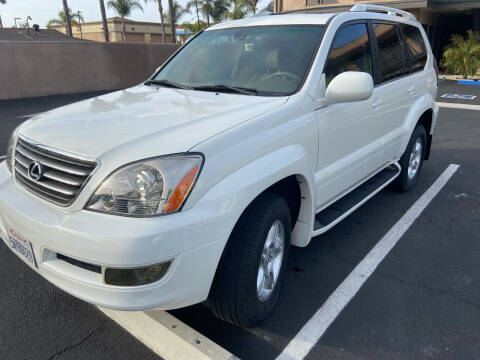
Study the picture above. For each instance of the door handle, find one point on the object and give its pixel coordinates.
(410, 89)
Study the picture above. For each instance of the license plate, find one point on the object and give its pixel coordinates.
(22, 247)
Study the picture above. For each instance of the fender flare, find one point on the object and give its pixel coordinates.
(235, 192)
(421, 105)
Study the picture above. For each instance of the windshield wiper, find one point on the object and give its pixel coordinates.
(223, 87)
(168, 83)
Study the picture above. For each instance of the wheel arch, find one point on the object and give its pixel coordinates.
(297, 191)
(426, 120)
(424, 111)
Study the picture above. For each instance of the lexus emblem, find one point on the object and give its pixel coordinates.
(35, 171)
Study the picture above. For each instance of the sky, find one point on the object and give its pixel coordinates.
(43, 10)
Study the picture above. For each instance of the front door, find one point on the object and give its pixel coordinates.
(350, 139)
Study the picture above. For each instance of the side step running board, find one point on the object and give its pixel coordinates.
(340, 209)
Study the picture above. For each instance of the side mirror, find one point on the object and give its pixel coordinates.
(349, 86)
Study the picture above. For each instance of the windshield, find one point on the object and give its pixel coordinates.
(265, 60)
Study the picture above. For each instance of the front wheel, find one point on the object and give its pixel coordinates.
(251, 271)
(411, 161)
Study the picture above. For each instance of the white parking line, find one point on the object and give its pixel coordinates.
(167, 336)
(2, 157)
(313, 330)
(458, 106)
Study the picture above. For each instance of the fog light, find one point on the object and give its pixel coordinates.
(136, 276)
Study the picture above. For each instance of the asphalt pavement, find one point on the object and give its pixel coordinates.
(422, 302)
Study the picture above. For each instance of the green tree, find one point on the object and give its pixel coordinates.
(239, 10)
(253, 5)
(220, 10)
(124, 8)
(190, 5)
(160, 11)
(204, 6)
(195, 27)
(62, 20)
(178, 11)
(462, 56)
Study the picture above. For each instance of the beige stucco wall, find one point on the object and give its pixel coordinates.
(30, 69)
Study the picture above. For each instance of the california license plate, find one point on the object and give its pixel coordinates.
(22, 247)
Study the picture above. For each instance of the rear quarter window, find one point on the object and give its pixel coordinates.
(416, 48)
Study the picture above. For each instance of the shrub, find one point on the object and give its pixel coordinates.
(462, 56)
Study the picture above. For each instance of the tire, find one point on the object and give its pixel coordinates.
(234, 296)
(406, 181)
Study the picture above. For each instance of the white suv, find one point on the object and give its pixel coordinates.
(256, 135)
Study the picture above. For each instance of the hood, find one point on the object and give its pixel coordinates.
(144, 121)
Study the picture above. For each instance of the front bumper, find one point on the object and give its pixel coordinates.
(193, 241)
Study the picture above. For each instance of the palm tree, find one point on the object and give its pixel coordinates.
(62, 20)
(171, 13)
(253, 5)
(2, 2)
(189, 7)
(124, 8)
(462, 56)
(178, 11)
(240, 9)
(220, 10)
(104, 21)
(205, 7)
(68, 21)
(160, 11)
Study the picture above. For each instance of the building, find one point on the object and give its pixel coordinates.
(136, 31)
(440, 18)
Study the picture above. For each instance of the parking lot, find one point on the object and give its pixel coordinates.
(422, 301)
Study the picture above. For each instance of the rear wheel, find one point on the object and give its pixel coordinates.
(251, 271)
(412, 160)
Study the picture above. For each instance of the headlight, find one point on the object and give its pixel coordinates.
(148, 187)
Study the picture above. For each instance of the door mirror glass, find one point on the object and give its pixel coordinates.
(349, 86)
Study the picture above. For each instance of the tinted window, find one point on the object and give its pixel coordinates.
(273, 60)
(416, 47)
(390, 51)
(350, 52)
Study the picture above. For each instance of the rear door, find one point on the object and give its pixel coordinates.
(416, 51)
(395, 86)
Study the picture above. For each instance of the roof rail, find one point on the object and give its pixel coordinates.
(382, 9)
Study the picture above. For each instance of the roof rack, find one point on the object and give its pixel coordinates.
(382, 9)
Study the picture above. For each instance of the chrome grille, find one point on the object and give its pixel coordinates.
(62, 177)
